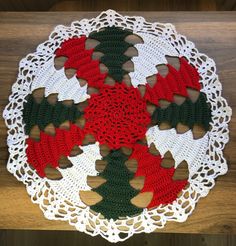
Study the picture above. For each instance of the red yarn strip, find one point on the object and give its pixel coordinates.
(157, 179)
(80, 59)
(175, 82)
(49, 149)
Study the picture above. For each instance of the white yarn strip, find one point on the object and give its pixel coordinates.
(183, 147)
(74, 179)
(150, 53)
(55, 81)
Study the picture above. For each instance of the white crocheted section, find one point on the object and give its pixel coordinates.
(150, 53)
(183, 147)
(74, 179)
(55, 81)
(83, 219)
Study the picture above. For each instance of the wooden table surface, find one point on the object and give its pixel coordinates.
(214, 33)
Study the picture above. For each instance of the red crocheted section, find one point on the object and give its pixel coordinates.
(175, 82)
(117, 116)
(49, 149)
(157, 179)
(80, 59)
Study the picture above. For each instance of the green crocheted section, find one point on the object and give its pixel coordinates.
(188, 113)
(44, 113)
(113, 46)
(116, 191)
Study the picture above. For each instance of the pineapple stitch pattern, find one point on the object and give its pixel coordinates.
(117, 116)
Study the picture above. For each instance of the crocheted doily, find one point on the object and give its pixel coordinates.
(117, 116)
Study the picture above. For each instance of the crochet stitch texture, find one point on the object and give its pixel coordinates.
(113, 46)
(80, 59)
(157, 179)
(188, 113)
(50, 148)
(117, 116)
(116, 191)
(44, 113)
(127, 113)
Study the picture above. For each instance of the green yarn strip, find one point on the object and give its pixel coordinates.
(188, 113)
(113, 46)
(44, 113)
(116, 191)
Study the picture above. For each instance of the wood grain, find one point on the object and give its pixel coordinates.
(213, 33)
(74, 238)
(122, 5)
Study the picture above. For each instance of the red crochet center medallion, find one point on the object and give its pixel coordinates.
(117, 116)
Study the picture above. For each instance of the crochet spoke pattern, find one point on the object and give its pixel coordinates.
(179, 145)
(117, 116)
(116, 191)
(113, 46)
(43, 113)
(176, 82)
(157, 179)
(152, 52)
(188, 113)
(80, 59)
(74, 179)
(55, 81)
(50, 148)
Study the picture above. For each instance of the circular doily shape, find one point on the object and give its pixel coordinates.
(124, 109)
